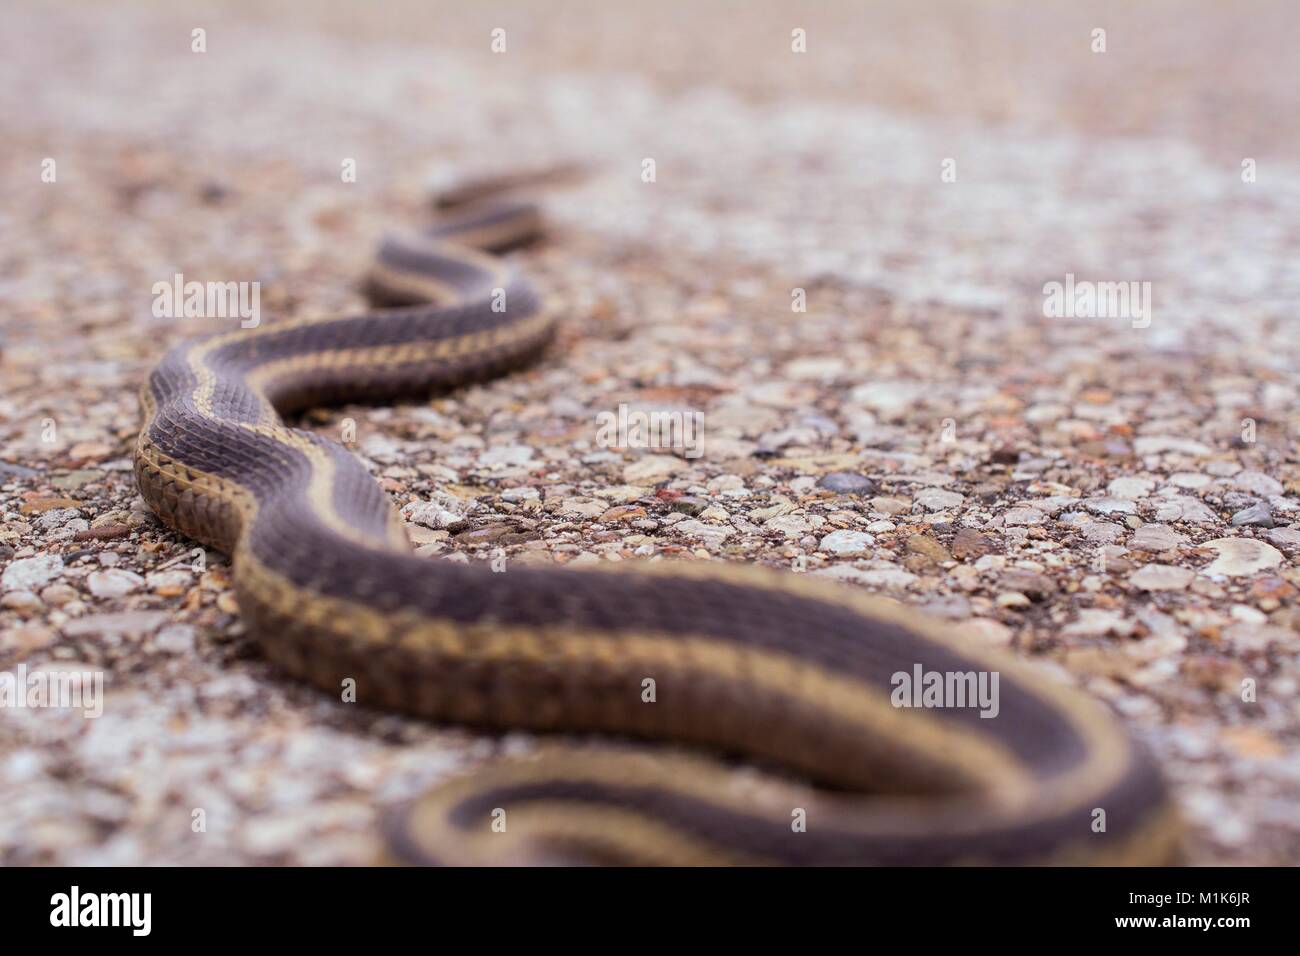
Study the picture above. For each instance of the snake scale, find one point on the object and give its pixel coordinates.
(774, 734)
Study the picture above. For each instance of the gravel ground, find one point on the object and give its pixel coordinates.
(1116, 499)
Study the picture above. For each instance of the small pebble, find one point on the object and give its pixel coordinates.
(114, 583)
(848, 483)
(688, 505)
(846, 542)
(30, 573)
(1241, 556)
(1161, 577)
(1259, 515)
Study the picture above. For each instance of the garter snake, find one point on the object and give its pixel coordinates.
(679, 669)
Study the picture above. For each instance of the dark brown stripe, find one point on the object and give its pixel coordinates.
(826, 844)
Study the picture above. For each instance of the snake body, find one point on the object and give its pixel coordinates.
(792, 676)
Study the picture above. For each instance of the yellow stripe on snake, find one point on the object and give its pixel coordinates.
(776, 732)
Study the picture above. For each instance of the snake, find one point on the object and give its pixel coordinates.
(673, 712)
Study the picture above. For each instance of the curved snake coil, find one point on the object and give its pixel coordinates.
(792, 675)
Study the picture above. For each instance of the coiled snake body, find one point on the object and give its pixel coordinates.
(793, 675)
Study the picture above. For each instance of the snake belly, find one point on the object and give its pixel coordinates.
(792, 677)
